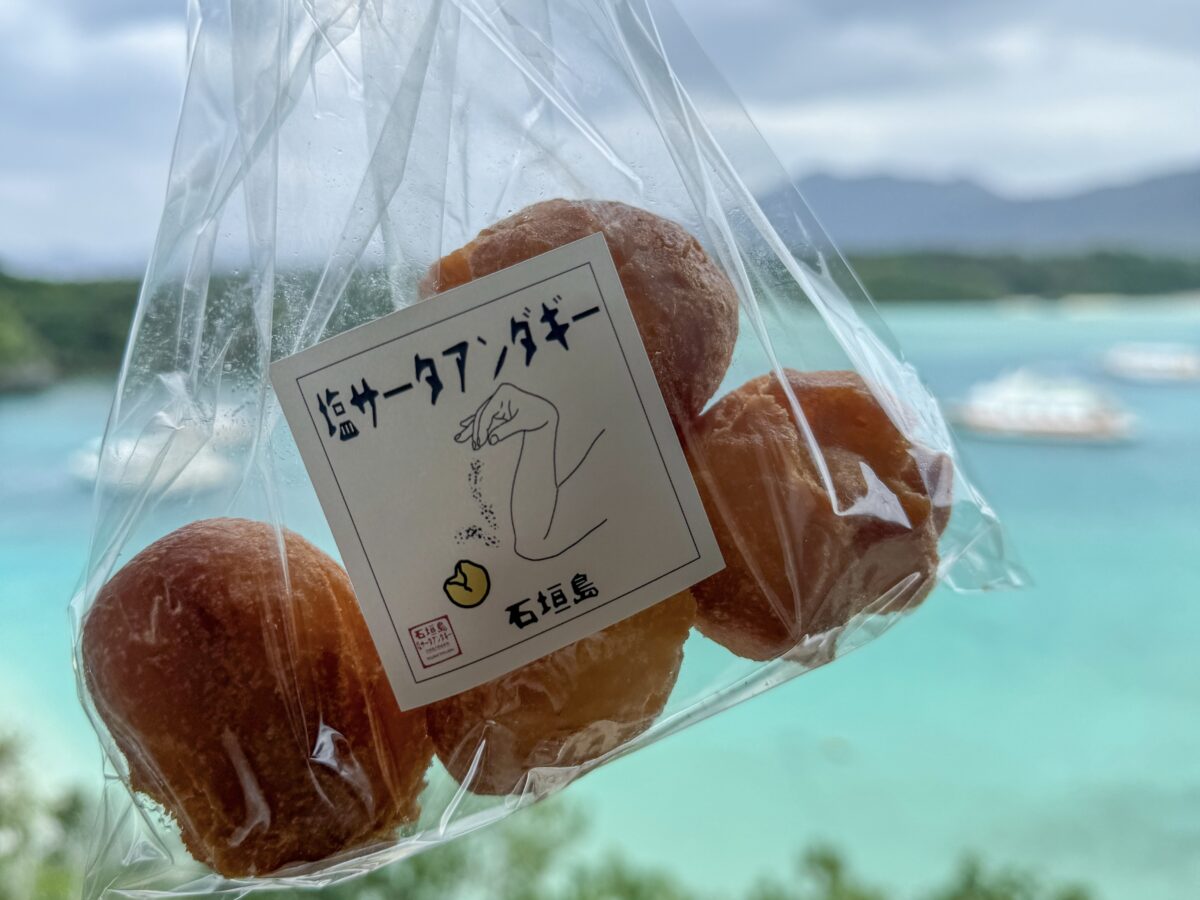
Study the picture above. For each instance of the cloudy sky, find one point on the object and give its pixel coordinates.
(1027, 96)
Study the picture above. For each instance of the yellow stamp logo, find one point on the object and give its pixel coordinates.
(469, 586)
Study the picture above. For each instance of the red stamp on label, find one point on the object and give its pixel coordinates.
(435, 641)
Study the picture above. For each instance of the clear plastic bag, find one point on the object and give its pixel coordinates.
(329, 154)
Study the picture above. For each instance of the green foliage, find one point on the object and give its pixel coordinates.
(975, 882)
(956, 276)
(18, 342)
(514, 860)
(81, 327)
(531, 856)
(615, 878)
(42, 845)
(78, 326)
(25, 361)
(821, 874)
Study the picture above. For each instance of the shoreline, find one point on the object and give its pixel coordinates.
(35, 370)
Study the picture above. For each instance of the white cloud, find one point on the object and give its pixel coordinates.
(1029, 95)
(1051, 115)
(85, 139)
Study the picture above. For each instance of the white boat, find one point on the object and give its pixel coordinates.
(1031, 405)
(128, 464)
(1157, 362)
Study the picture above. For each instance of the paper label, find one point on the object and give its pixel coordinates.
(499, 470)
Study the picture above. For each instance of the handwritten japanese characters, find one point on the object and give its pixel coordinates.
(553, 599)
(553, 326)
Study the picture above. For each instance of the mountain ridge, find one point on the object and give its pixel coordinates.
(887, 213)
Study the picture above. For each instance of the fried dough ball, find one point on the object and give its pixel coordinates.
(685, 307)
(795, 567)
(260, 719)
(567, 708)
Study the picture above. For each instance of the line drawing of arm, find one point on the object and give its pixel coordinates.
(546, 510)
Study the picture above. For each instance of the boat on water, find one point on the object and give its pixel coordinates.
(129, 467)
(1027, 404)
(1153, 362)
(175, 468)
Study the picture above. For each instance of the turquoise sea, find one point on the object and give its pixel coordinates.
(1057, 728)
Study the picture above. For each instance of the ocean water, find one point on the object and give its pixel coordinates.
(1057, 728)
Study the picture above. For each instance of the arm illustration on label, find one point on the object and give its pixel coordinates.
(550, 515)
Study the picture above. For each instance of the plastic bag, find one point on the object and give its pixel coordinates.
(329, 154)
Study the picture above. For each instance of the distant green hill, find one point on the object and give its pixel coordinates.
(886, 214)
(960, 276)
(53, 329)
(68, 328)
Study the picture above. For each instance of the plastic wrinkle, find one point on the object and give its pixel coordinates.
(258, 814)
(333, 752)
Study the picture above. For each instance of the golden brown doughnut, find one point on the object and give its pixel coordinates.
(685, 307)
(793, 566)
(260, 719)
(567, 708)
